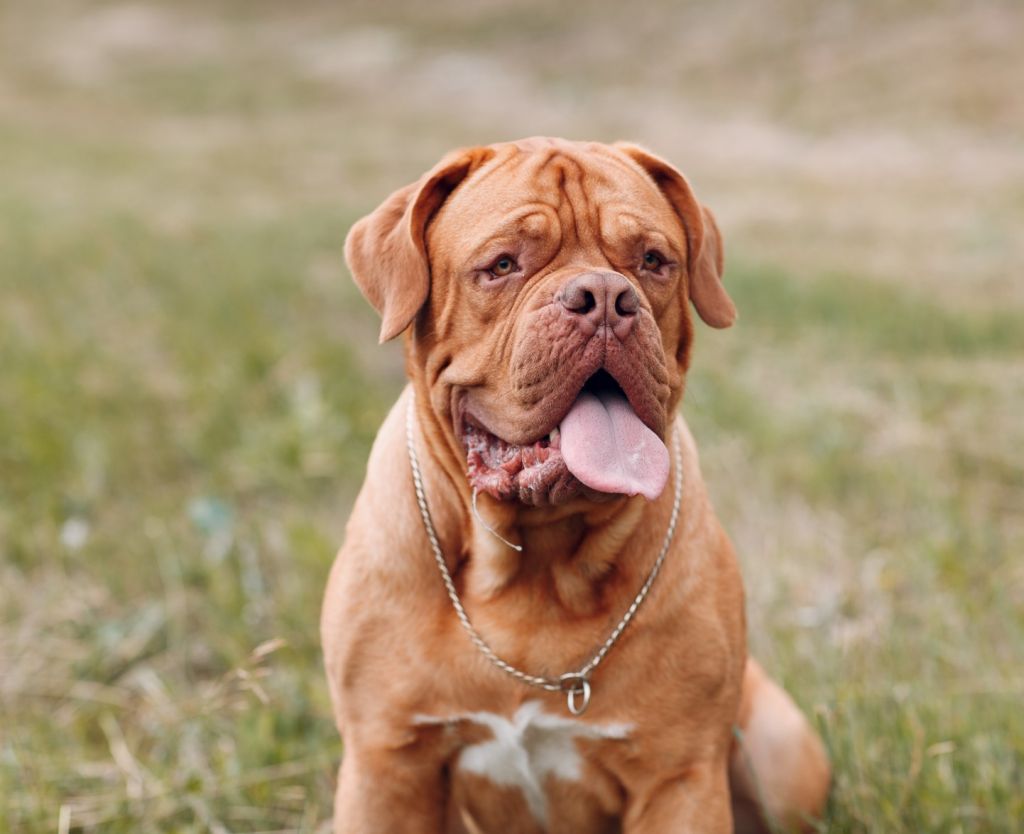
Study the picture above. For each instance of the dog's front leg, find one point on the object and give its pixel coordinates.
(694, 803)
(391, 792)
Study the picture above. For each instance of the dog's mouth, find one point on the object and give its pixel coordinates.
(600, 447)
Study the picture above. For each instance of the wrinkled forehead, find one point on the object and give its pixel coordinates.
(589, 186)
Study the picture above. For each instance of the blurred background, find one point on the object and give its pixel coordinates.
(189, 381)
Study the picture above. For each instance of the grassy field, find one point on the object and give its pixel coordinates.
(189, 383)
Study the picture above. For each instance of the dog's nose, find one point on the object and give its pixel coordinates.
(596, 298)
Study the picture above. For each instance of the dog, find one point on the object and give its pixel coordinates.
(536, 622)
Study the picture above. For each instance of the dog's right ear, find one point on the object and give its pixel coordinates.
(386, 251)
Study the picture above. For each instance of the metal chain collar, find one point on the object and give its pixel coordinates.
(576, 685)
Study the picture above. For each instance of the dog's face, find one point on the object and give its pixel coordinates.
(547, 283)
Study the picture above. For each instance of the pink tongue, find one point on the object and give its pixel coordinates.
(609, 448)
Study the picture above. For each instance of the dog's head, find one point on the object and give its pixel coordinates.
(545, 285)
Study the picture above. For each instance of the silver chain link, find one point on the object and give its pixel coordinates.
(575, 684)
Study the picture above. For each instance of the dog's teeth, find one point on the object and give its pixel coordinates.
(553, 437)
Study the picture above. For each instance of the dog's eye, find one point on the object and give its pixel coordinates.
(505, 265)
(653, 260)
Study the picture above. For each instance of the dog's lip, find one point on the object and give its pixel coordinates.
(470, 419)
(467, 416)
(464, 418)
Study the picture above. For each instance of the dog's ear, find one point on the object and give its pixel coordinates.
(386, 251)
(705, 258)
(709, 295)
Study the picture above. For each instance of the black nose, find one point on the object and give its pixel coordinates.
(596, 298)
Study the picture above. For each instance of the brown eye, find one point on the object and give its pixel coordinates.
(653, 261)
(505, 265)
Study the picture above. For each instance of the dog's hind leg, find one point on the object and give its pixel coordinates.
(779, 773)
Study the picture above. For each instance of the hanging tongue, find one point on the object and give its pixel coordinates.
(607, 447)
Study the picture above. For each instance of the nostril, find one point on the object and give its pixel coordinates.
(578, 298)
(587, 304)
(627, 302)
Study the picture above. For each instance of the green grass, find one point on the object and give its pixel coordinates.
(193, 403)
(883, 318)
(189, 383)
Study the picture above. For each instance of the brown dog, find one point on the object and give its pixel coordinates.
(543, 286)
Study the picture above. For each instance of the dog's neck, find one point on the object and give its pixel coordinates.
(571, 548)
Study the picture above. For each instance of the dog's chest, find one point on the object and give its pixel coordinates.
(531, 765)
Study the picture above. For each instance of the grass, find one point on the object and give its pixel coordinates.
(189, 384)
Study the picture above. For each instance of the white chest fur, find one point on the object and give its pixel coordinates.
(528, 749)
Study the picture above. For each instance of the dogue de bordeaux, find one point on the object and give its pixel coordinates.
(536, 622)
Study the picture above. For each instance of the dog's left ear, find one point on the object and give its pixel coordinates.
(705, 258)
(386, 251)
